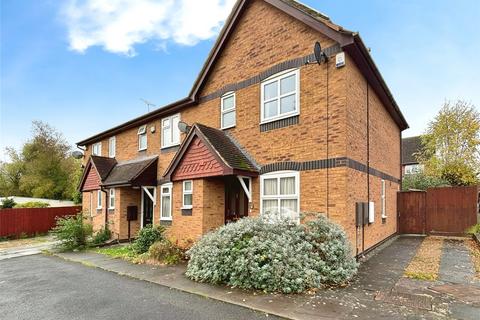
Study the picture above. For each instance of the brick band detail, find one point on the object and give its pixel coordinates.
(324, 164)
(279, 124)
(289, 64)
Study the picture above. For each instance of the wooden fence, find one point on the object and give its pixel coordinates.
(440, 211)
(30, 221)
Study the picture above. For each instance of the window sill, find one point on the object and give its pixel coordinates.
(288, 115)
(169, 146)
(229, 127)
(144, 149)
(166, 219)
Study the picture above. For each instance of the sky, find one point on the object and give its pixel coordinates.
(83, 66)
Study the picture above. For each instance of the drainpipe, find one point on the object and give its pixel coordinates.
(368, 166)
(328, 115)
(106, 206)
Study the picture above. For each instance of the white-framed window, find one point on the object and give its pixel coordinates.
(228, 113)
(280, 96)
(142, 138)
(166, 201)
(384, 200)
(187, 197)
(97, 149)
(280, 194)
(413, 168)
(111, 147)
(170, 131)
(99, 199)
(111, 198)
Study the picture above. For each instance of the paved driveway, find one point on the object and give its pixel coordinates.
(43, 287)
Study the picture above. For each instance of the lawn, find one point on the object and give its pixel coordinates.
(121, 251)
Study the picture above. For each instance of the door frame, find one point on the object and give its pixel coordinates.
(154, 200)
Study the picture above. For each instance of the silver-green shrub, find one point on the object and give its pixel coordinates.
(273, 256)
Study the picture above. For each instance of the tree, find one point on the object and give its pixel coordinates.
(451, 144)
(44, 168)
(421, 181)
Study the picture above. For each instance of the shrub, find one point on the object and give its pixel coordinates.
(166, 252)
(475, 229)
(33, 204)
(101, 236)
(72, 232)
(146, 237)
(7, 203)
(280, 256)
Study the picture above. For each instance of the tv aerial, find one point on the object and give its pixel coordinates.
(148, 104)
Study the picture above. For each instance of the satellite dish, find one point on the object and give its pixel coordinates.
(319, 54)
(183, 127)
(77, 154)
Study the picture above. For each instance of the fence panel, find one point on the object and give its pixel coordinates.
(450, 211)
(14, 222)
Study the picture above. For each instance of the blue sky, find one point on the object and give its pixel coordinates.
(83, 67)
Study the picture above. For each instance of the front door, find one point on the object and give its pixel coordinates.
(236, 202)
(147, 206)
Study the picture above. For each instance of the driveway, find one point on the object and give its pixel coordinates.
(25, 247)
(44, 287)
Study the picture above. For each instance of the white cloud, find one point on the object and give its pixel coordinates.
(118, 25)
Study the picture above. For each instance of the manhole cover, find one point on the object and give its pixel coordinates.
(405, 299)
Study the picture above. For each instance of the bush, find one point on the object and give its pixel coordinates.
(146, 237)
(475, 229)
(7, 203)
(280, 256)
(421, 181)
(166, 252)
(72, 232)
(33, 204)
(101, 236)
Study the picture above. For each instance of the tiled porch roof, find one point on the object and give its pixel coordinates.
(133, 172)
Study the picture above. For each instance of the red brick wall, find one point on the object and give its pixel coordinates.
(92, 181)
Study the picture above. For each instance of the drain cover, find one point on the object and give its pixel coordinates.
(405, 299)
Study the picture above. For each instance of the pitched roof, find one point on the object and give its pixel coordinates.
(348, 40)
(411, 146)
(127, 172)
(103, 165)
(226, 150)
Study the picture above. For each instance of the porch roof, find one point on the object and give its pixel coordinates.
(136, 172)
(227, 152)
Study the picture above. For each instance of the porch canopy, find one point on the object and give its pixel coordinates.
(209, 152)
(133, 173)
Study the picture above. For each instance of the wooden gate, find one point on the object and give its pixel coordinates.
(411, 212)
(440, 211)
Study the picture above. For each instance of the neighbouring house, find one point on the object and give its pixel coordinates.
(51, 202)
(265, 129)
(411, 146)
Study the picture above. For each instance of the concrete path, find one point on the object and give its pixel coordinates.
(456, 265)
(26, 250)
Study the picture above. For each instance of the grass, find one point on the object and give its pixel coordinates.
(118, 252)
(426, 262)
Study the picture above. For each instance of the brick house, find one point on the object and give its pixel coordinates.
(265, 129)
(411, 146)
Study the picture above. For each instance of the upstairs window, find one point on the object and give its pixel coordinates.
(228, 110)
(170, 131)
(280, 195)
(142, 138)
(280, 96)
(111, 147)
(187, 194)
(97, 149)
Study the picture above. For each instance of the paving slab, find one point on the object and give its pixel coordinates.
(456, 265)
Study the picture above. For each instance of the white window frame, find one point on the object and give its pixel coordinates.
(384, 199)
(276, 78)
(142, 132)
(234, 109)
(169, 186)
(99, 199)
(98, 147)
(111, 196)
(112, 146)
(186, 192)
(413, 168)
(277, 175)
(171, 127)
